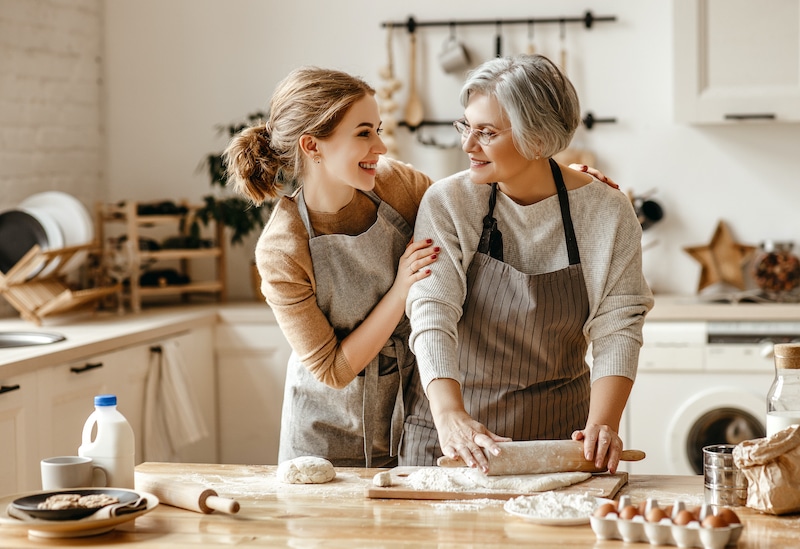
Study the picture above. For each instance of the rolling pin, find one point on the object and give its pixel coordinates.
(186, 495)
(540, 456)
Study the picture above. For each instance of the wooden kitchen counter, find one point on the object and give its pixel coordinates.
(339, 515)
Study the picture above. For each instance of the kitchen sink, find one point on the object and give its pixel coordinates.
(26, 339)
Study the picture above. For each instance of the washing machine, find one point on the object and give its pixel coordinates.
(699, 383)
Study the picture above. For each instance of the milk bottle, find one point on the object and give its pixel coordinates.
(113, 445)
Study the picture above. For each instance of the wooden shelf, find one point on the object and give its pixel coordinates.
(135, 224)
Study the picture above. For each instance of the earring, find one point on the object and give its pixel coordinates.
(317, 159)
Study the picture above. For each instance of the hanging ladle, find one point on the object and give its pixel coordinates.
(531, 48)
(414, 113)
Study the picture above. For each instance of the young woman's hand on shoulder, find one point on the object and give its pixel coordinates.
(414, 265)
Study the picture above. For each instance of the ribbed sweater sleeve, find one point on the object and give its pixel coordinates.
(609, 241)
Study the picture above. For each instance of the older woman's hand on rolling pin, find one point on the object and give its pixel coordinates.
(459, 434)
(600, 443)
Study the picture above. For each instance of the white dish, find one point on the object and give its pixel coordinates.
(513, 509)
(88, 526)
(72, 217)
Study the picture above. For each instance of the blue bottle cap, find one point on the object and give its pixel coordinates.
(105, 400)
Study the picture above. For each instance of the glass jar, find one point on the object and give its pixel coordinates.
(783, 398)
(776, 270)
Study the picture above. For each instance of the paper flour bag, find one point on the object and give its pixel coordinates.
(772, 468)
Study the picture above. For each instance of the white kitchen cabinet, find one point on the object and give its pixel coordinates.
(251, 362)
(19, 457)
(66, 397)
(736, 60)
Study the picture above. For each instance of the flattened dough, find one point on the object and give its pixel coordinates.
(306, 470)
(473, 480)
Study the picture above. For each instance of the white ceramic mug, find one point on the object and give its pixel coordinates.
(71, 472)
(454, 56)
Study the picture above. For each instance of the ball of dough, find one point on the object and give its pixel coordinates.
(306, 470)
(382, 479)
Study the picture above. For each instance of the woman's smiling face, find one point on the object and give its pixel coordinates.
(350, 155)
(499, 161)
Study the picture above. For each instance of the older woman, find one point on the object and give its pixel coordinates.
(536, 262)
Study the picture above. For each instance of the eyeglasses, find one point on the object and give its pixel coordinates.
(483, 137)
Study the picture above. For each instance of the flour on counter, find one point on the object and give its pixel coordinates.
(553, 505)
(440, 479)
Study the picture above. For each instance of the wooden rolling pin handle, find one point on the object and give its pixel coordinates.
(224, 505)
(632, 455)
(626, 455)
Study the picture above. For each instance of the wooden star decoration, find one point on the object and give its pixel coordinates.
(722, 259)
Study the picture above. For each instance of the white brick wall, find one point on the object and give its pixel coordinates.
(51, 125)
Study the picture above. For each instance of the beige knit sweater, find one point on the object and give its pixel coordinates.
(287, 274)
(609, 242)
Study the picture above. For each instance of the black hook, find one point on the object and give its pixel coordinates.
(411, 24)
(588, 20)
(589, 120)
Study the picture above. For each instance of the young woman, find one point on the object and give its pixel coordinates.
(536, 262)
(336, 261)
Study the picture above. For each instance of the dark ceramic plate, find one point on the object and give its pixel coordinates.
(19, 232)
(30, 504)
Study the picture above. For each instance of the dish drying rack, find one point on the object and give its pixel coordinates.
(35, 296)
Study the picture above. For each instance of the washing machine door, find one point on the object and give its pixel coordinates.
(723, 415)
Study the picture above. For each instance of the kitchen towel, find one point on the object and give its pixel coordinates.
(172, 416)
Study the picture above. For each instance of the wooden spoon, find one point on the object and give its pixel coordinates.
(414, 113)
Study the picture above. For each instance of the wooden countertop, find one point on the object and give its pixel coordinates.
(693, 308)
(339, 515)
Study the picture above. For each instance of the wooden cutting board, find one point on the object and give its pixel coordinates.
(603, 485)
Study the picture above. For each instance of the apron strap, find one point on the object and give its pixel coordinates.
(394, 348)
(566, 217)
(367, 415)
(302, 209)
(491, 241)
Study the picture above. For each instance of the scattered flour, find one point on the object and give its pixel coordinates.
(466, 505)
(461, 479)
(553, 505)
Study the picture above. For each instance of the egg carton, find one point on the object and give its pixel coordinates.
(665, 532)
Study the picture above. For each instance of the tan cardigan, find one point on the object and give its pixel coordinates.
(287, 275)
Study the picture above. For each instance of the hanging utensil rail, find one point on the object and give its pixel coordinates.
(588, 19)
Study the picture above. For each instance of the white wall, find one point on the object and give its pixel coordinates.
(175, 69)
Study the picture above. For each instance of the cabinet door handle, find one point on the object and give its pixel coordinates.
(8, 388)
(88, 366)
(754, 116)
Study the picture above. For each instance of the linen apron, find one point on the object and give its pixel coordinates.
(361, 424)
(521, 347)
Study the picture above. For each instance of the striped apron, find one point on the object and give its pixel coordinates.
(361, 424)
(521, 347)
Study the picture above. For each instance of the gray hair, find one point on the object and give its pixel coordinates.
(538, 99)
